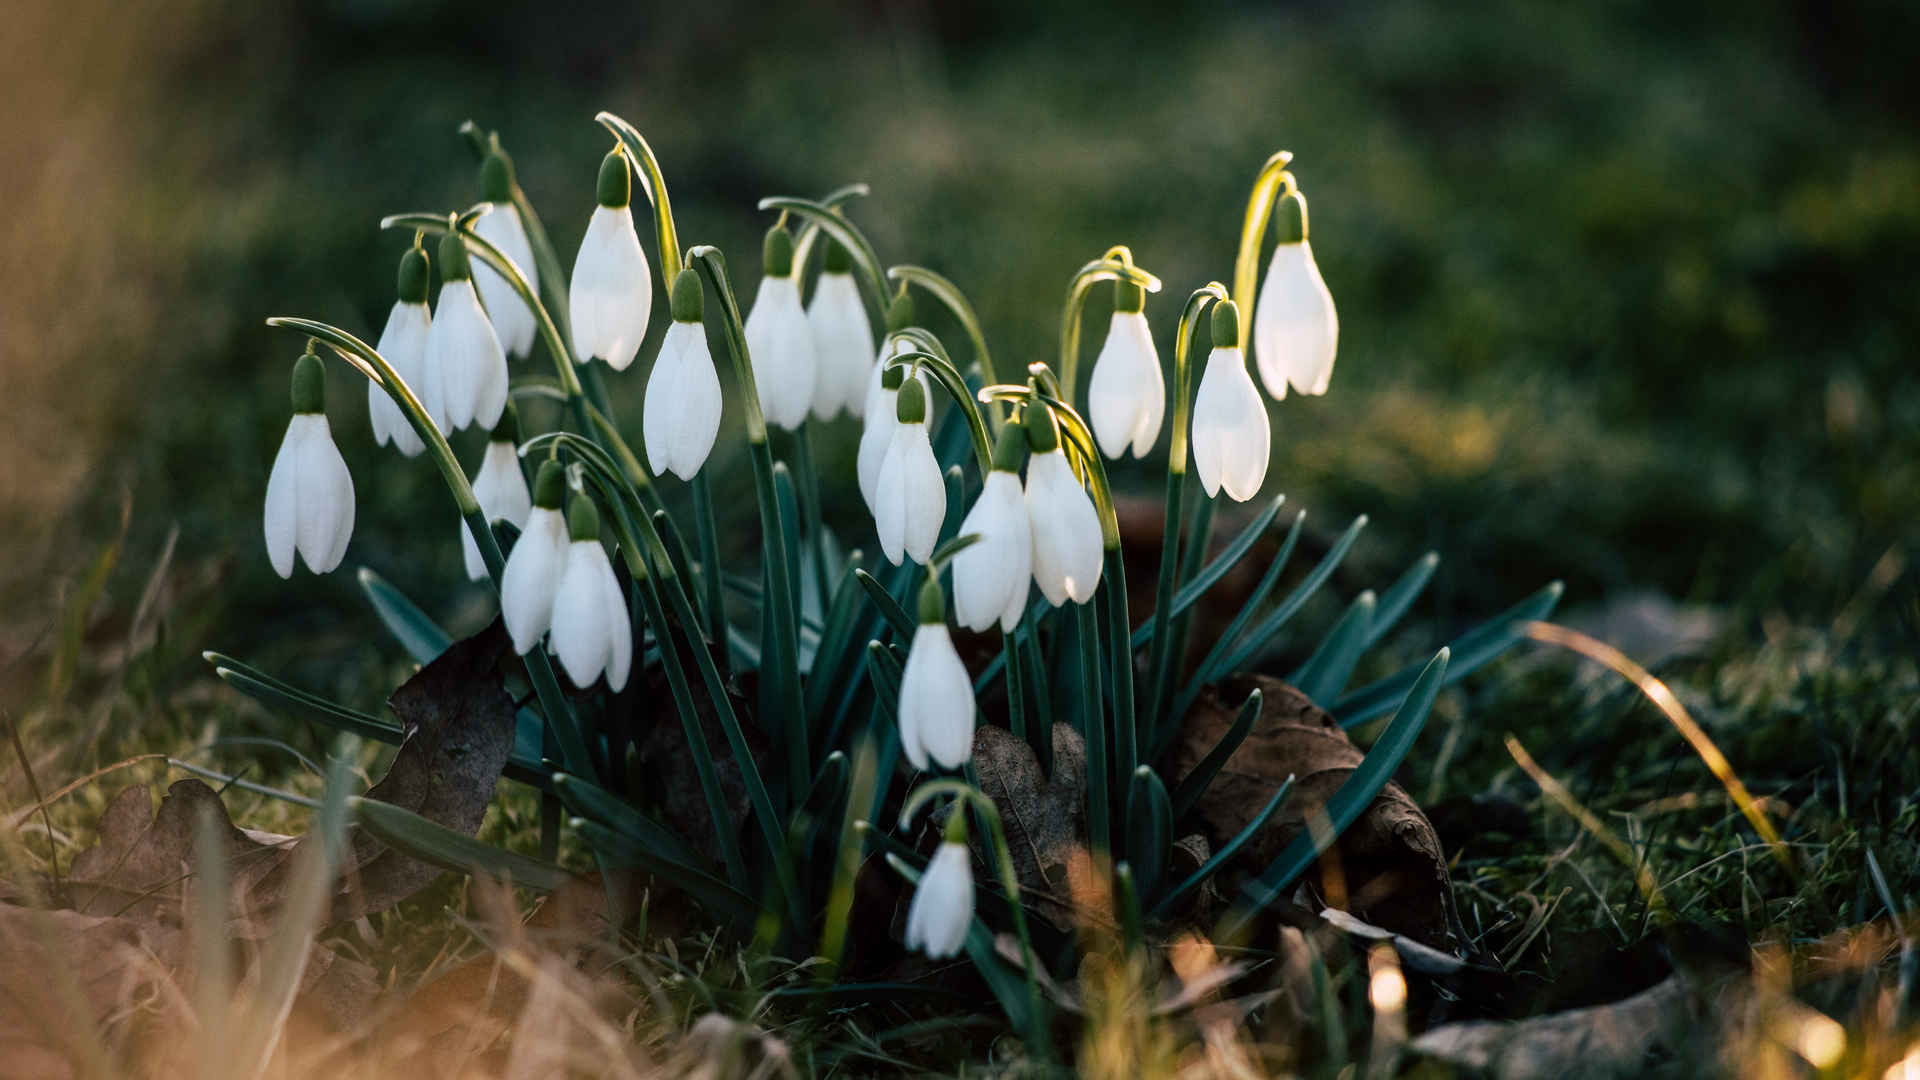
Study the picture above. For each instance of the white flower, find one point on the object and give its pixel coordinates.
(936, 701)
(591, 632)
(404, 345)
(1066, 529)
(781, 345)
(309, 492)
(501, 488)
(880, 420)
(1230, 433)
(842, 344)
(1126, 398)
(942, 908)
(612, 292)
(465, 374)
(910, 500)
(1295, 329)
(534, 566)
(512, 318)
(991, 577)
(682, 411)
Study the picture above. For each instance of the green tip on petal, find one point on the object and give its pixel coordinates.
(838, 261)
(933, 602)
(1041, 438)
(413, 277)
(1009, 449)
(550, 486)
(776, 252)
(1290, 218)
(453, 258)
(900, 313)
(892, 376)
(956, 824)
(1226, 325)
(508, 429)
(583, 519)
(309, 384)
(614, 188)
(689, 302)
(1128, 296)
(911, 406)
(496, 177)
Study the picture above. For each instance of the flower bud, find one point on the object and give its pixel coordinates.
(453, 258)
(614, 187)
(550, 486)
(583, 519)
(933, 601)
(413, 284)
(309, 384)
(496, 177)
(689, 299)
(1128, 296)
(1226, 325)
(776, 252)
(911, 406)
(900, 313)
(1041, 438)
(838, 259)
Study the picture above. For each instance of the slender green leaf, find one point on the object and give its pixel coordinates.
(1326, 672)
(1473, 650)
(583, 798)
(896, 616)
(955, 301)
(1269, 626)
(1241, 618)
(1195, 783)
(1400, 596)
(885, 672)
(622, 849)
(417, 632)
(434, 843)
(1229, 850)
(1149, 828)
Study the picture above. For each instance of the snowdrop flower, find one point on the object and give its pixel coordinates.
(1126, 398)
(682, 413)
(991, 577)
(778, 338)
(910, 500)
(936, 693)
(942, 908)
(1295, 329)
(591, 633)
(309, 491)
(534, 566)
(1065, 527)
(1231, 438)
(501, 226)
(501, 488)
(883, 388)
(465, 373)
(842, 339)
(612, 291)
(404, 344)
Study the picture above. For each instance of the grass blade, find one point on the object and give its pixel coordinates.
(1195, 783)
(1400, 596)
(896, 616)
(434, 843)
(1473, 650)
(1219, 859)
(1326, 672)
(1149, 828)
(1257, 639)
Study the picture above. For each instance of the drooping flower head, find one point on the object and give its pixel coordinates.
(539, 556)
(466, 371)
(883, 386)
(309, 492)
(501, 226)
(612, 291)
(842, 338)
(591, 633)
(1295, 329)
(911, 498)
(991, 577)
(936, 693)
(778, 339)
(942, 908)
(1231, 437)
(682, 411)
(500, 487)
(1126, 398)
(404, 345)
(1064, 524)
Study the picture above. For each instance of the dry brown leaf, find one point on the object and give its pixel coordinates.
(1044, 818)
(1617, 1039)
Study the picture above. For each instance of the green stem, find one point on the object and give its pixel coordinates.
(553, 278)
(950, 380)
(865, 262)
(1126, 722)
(708, 539)
(803, 243)
(1253, 230)
(813, 515)
(1093, 727)
(1105, 268)
(654, 183)
(956, 302)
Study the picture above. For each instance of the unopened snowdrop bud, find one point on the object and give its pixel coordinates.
(404, 345)
(936, 693)
(465, 370)
(991, 577)
(778, 338)
(309, 491)
(1127, 399)
(1065, 526)
(501, 226)
(500, 487)
(842, 338)
(1231, 438)
(1295, 329)
(682, 412)
(612, 291)
(942, 908)
(591, 633)
(911, 498)
(532, 575)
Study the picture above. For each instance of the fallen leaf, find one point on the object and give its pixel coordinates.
(1617, 1039)
(1044, 818)
(666, 759)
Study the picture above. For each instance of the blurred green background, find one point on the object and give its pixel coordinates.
(1628, 291)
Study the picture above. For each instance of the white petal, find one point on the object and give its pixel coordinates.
(283, 500)
(936, 700)
(619, 625)
(470, 552)
(512, 318)
(501, 487)
(1126, 398)
(880, 419)
(324, 509)
(582, 634)
(1295, 328)
(781, 347)
(1231, 437)
(912, 496)
(1066, 531)
(532, 577)
(681, 414)
(612, 292)
(942, 908)
(403, 343)
(990, 577)
(842, 346)
(465, 358)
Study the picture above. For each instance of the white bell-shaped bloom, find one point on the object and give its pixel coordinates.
(1295, 328)
(591, 631)
(682, 411)
(512, 318)
(880, 420)
(612, 292)
(910, 500)
(539, 556)
(842, 345)
(501, 489)
(404, 345)
(309, 491)
(1126, 399)
(1066, 530)
(936, 701)
(781, 345)
(942, 908)
(1231, 438)
(992, 575)
(465, 373)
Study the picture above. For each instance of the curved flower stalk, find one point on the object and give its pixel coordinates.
(991, 579)
(1126, 399)
(531, 579)
(404, 343)
(1065, 527)
(910, 498)
(956, 302)
(779, 341)
(1295, 328)
(682, 412)
(1115, 265)
(879, 412)
(309, 492)
(500, 225)
(842, 339)
(1231, 434)
(942, 908)
(500, 487)
(465, 372)
(936, 693)
(591, 633)
(612, 292)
